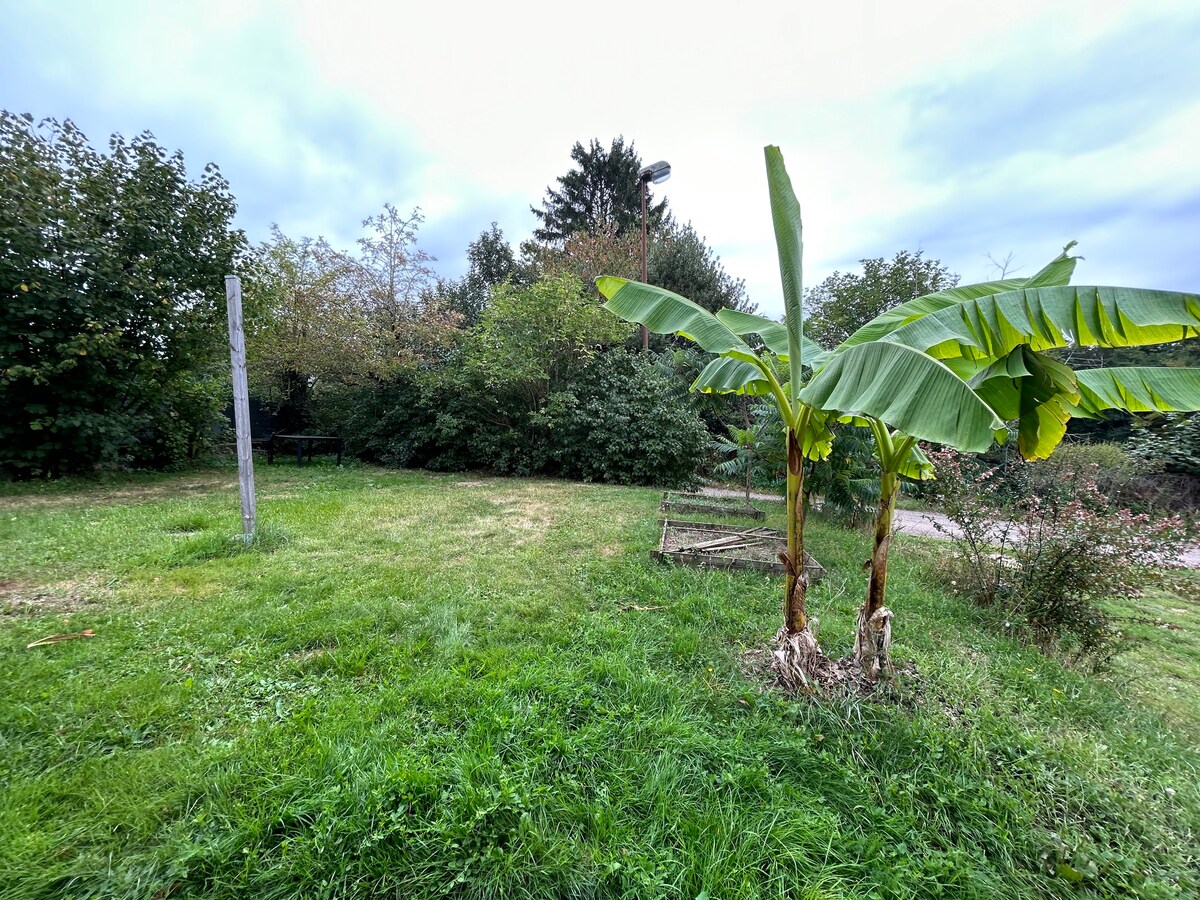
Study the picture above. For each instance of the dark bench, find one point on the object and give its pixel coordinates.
(304, 442)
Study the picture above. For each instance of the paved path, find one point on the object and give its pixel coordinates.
(907, 521)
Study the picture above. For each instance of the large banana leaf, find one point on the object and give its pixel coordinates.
(726, 375)
(664, 312)
(1056, 272)
(916, 465)
(906, 389)
(774, 335)
(1138, 389)
(789, 244)
(1033, 389)
(1048, 317)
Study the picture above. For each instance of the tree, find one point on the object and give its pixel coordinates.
(491, 258)
(318, 317)
(588, 255)
(682, 262)
(391, 271)
(112, 329)
(603, 190)
(302, 328)
(902, 374)
(845, 301)
(533, 340)
(746, 452)
(491, 262)
(998, 335)
(863, 382)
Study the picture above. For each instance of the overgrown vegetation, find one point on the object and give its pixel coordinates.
(504, 697)
(1046, 547)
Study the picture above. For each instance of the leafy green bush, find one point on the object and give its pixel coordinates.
(623, 420)
(1172, 442)
(620, 419)
(1129, 477)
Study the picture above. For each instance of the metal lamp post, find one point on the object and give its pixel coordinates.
(657, 173)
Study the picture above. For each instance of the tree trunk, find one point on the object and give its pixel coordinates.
(749, 474)
(874, 633)
(796, 658)
(796, 584)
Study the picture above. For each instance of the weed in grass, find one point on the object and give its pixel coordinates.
(217, 544)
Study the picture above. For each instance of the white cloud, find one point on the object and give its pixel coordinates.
(963, 128)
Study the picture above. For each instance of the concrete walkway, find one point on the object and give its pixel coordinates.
(922, 524)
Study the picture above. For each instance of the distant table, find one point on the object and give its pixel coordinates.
(304, 442)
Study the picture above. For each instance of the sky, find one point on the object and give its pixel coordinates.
(966, 130)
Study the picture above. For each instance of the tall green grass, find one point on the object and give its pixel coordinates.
(428, 686)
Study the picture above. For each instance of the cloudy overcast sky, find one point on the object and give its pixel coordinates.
(959, 128)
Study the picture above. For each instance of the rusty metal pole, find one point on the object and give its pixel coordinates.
(645, 277)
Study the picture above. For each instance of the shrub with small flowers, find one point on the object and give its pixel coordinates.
(1048, 547)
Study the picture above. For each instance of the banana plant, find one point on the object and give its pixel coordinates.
(997, 339)
(911, 391)
(773, 364)
(902, 398)
(898, 453)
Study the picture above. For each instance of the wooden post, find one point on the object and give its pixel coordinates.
(241, 405)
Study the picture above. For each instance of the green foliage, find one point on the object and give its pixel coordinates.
(587, 254)
(320, 320)
(491, 262)
(388, 421)
(533, 340)
(747, 455)
(601, 191)
(1115, 467)
(682, 262)
(1172, 442)
(525, 393)
(625, 421)
(1046, 547)
(847, 481)
(302, 321)
(112, 323)
(846, 301)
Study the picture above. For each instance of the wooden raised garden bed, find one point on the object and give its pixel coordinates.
(713, 546)
(708, 505)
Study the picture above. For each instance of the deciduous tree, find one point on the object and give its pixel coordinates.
(112, 326)
(682, 262)
(845, 301)
(491, 262)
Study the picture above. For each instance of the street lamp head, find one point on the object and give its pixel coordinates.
(656, 173)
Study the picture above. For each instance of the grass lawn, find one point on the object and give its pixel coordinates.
(426, 685)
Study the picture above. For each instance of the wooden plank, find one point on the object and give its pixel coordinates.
(725, 529)
(750, 513)
(730, 538)
(704, 503)
(241, 406)
(715, 543)
(701, 561)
